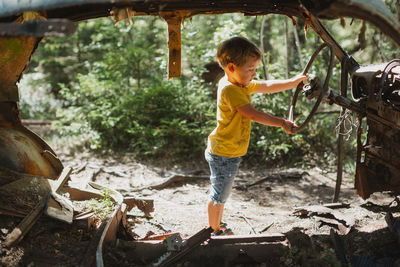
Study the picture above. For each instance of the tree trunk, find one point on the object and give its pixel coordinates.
(287, 47)
(265, 68)
(138, 74)
(298, 47)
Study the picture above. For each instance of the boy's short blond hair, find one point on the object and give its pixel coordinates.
(236, 50)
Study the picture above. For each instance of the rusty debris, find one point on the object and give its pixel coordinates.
(20, 231)
(25, 225)
(145, 205)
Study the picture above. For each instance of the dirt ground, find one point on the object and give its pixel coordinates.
(265, 208)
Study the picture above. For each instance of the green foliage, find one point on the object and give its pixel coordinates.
(156, 121)
(101, 207)
(111, 89)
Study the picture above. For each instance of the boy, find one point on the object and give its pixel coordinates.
(230, 139)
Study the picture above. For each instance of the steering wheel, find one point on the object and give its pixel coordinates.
(301, 87)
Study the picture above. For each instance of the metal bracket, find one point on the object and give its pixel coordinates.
(174, 20)
(173, 243)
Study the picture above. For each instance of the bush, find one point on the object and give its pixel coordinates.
(158, 121)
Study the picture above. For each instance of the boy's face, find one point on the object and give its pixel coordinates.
(242, 75)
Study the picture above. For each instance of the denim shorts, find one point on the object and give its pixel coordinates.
(223, 171)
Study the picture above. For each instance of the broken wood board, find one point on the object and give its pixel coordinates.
(296, 175)
(173, 180)
(59, 207)
(145, 205)
(328, 216)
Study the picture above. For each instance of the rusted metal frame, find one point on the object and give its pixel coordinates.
(343, 89)
(190, 244)
(39, 28)
(387, 25)
(358, 107)
(358, 183)
(325, 35)
(150, 8)
(258, 247)
(33, 155)
(379, 171)
(252, 253)
(378, 119)
(247, 248)
(382, 185)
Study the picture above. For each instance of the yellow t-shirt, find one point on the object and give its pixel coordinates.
(232, 135)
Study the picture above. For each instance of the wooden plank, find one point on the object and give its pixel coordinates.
(145, 205)
(56, 185)
(234, 239)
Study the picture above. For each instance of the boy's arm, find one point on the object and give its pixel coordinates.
(274, 86)
(250, 112)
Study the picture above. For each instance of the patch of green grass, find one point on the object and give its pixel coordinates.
(102, 207)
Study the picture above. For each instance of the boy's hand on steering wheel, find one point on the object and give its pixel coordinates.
(289, 126)
(302, 78)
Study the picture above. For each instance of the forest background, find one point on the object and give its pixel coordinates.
(105, 88)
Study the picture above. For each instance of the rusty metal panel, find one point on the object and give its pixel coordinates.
(14, 54)
(20, 152)
(380, 168)
(174, 20)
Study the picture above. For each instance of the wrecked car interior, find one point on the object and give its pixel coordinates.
(32, 177)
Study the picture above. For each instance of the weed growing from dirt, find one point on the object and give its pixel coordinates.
(102, 207)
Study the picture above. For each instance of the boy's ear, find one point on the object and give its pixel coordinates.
(230, 66)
